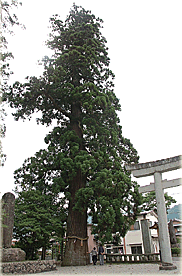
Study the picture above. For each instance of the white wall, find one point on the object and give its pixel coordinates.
(134, 237)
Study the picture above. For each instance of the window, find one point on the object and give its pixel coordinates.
(121, 250)
(136, 225)
(136, 249)
(115, 250)
(108, 249)
(118, 249)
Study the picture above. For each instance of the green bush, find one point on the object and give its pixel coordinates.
(176, 250)
(178, 240)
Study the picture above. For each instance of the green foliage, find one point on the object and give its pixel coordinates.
(149, 201)
(39, 208)
(116, 239)
(178, 240)
(8, 20)
(176, 250)
(86, 153)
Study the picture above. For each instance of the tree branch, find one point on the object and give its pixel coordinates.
(56, 106)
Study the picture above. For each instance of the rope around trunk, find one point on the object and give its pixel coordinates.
(75, 237)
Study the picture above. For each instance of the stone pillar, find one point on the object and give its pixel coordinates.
(8, 205)
(164, 241)
(146, 235)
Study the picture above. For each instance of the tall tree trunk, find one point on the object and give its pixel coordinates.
(43, 253)
(76, 245)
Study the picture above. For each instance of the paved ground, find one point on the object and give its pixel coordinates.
(116, 269)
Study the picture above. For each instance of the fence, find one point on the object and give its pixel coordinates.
(132, 258)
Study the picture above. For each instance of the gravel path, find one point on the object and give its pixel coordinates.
(116, 269)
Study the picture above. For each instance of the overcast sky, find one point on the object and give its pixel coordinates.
(145, 42)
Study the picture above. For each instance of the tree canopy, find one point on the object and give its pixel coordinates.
(8, 20)
(150, 203)
(40, 211)
(86, 153)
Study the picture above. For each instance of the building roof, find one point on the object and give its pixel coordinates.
(179, 220)
(177, 225)
(151, 212)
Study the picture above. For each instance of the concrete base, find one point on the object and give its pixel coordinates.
(165, 266)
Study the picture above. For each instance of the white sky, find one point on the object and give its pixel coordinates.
(145, 42)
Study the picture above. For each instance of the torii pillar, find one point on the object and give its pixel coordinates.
(156, 168)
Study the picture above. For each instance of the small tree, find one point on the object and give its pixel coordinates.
(150, 203)
(39, 207)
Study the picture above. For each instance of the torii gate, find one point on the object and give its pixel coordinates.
(156, 168)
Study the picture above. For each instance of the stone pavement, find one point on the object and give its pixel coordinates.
(116, 269)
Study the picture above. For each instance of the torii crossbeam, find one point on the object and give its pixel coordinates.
(156, 168)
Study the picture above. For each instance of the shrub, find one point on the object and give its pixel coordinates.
(176, 250)
(178, 240)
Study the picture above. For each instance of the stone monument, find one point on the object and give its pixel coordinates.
(9, 254)
(146, 235)
(8, 207)
(172, 235)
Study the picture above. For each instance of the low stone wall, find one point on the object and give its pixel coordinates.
(28, 267)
